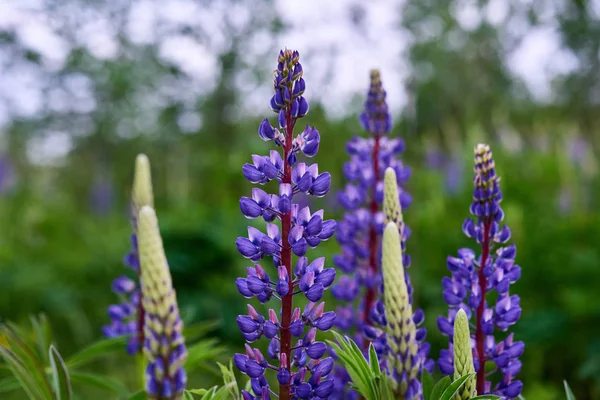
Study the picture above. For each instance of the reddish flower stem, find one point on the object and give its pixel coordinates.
(479, 336)
(140, 330)
(373, 242)
(286, 260)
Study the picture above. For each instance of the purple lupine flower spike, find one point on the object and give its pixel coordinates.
(359, 232)
(127, 318)
(474, 277)
(293, 351)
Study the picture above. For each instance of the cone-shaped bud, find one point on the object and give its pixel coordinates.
(391, 202)
(463, 356)
(164, 345)
(401, 330)
(142, 184)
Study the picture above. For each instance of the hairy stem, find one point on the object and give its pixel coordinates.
(479, 335)
(286, 260)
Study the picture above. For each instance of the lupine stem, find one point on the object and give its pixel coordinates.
(479, 336)
(286, 259)
(140, 333)
(373, 242)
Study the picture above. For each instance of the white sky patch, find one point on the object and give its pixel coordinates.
(49, 148)
(337, 56)
(141, 25)
(539, 58)
(98, 36)
(496, 11)
(468, 14)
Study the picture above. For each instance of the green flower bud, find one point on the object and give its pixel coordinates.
(391, 203)
(164, 347)
(401, 330)
(142, 184)
(463, 356)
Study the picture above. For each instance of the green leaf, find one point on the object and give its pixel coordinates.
(230, 381)
(9, 384)
(188, 396)
(26, 381)
(28, 359)
(141, 395)
(439, 387)
(455, 387)
(107, 383)
(96, 350)
(43, 335)
(568, 391)
(373, 360)
(427, 382)
(486, 397)
(201, 352)
(60, 375)
(363, 377)
(192, 332)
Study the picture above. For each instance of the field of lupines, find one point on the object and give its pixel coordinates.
(367, 342)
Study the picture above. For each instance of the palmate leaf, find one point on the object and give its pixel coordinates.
(24, 363)
(568, 391)
(230, 381)
(367, 378)
(60, 375)
(25, 379)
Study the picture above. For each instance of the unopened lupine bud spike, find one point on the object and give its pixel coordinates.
(463, 356)
(401, 329)
(142, 184)
(165, 376)
(391, 203)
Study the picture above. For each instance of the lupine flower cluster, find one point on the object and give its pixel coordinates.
(474, 277)
(296, 355)
(127, 318)
(359, 233)
(164, 345)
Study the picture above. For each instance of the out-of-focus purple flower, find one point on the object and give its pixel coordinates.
(473, 277)
(359, 232)
(291, 229)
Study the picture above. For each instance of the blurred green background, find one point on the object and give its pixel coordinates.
(87, 85)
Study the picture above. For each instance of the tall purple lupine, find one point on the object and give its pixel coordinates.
(302, 372)
(127, 317)
(475, 277)
(359, 232)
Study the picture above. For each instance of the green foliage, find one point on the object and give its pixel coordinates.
(373, 384)
(367, 378)
(568, 391)
(40, 371)
(229, 391)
